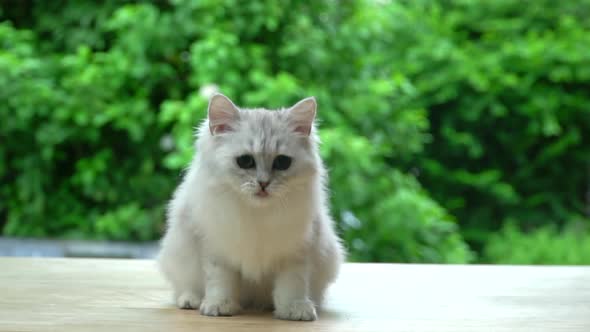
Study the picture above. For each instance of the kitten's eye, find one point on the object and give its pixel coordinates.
(281, 163)
(246, 161)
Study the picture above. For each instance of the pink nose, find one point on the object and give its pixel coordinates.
(263, 184)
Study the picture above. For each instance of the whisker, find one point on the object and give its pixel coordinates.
(283, 201)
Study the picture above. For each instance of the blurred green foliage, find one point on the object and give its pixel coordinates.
(483, 103)
(506, 85)
(544, 245)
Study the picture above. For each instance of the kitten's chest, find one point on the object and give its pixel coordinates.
(255, 242)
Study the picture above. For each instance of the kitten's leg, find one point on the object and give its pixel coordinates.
(327, 259)
(291, 294)
(181, 265)
(221, 290)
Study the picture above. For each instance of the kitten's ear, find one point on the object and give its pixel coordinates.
(302, 115)
(222, 114)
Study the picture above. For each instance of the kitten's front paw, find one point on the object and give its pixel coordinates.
(188, 300)
(297, 310)
(219, 308)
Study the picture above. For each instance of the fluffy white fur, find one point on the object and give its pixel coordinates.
(226, 247)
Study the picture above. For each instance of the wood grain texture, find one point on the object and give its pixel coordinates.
(114, 295)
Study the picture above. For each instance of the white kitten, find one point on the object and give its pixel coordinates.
(249, 225)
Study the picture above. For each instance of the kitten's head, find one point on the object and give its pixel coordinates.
(260, 154)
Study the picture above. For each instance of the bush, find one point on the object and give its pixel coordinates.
(483, 103)
(506, 94)
(100, 101)
(545, 245)
(68, 124)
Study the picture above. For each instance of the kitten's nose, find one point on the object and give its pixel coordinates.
(263, 184)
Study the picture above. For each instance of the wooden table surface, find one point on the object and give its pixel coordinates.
(115, 295)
